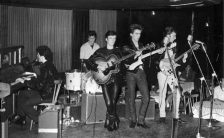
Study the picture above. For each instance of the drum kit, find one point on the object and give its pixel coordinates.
(81, 81)
(78, 82)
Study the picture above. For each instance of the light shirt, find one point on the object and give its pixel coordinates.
(86, 50)
(219, 93)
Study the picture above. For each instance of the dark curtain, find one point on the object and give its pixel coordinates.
(80, 28)
(3, 26)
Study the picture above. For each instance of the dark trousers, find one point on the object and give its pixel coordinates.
(27, 99)
(138, 79)
(110, 93)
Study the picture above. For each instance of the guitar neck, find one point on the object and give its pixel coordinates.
(178, 58)
(151, 53)
(124, 58)
(14, 83)
(132, 54)
(156, 51)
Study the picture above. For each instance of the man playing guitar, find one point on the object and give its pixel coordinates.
(100, 61)
(166, 76)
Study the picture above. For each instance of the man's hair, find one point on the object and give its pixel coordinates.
(46, 52)
(168, 30)
(92, 33)
(134, 27)
(110, 33)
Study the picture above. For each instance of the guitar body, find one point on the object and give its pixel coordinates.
(165, 66)
(102, 77)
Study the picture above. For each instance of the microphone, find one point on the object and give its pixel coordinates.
(202, 44)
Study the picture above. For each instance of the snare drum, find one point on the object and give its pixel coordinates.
(73, 80)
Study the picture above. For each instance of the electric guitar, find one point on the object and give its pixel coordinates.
(165, 66)
(139, 62)
(112, 62)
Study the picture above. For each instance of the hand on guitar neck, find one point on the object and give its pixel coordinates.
(165, 66)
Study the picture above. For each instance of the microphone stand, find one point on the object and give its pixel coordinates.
(201, 93)
(174, 94)
(200, 109)
(214, 75)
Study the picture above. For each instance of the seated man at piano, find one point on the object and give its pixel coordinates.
(40, 88)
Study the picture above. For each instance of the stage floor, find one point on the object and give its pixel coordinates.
(156, 130)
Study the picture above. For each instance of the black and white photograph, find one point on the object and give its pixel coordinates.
(111, 69)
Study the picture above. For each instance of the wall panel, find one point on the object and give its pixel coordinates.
(32, 27)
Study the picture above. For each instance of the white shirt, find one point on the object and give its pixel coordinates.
(86, 50)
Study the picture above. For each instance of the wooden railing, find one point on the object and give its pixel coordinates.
(14, 55)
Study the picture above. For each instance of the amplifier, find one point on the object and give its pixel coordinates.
(50, 123)
(93, 108)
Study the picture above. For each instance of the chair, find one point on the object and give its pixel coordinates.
(194, 99)
(187, 88)
(187, 102)
(57, 86)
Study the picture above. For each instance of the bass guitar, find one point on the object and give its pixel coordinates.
(165, 66)
(112, 62)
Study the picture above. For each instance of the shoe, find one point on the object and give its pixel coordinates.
(116, 123)
(20, 120)
(110, 126)
(142, 125)
(106, 123)
(132, 124)
(162, 120)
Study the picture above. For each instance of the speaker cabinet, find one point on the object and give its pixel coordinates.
(150, 114)
(50, 123)
(93, 109)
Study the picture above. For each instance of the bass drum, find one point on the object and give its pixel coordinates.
(73, 80)
(90, 85)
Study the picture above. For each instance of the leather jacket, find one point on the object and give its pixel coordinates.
(128, 49)
(44, 83)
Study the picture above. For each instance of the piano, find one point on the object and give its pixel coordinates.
(10, 69)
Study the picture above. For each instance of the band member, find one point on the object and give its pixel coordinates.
(112, 87)
(88, 48)
(166, 78)
(40, 88)
(136, 76)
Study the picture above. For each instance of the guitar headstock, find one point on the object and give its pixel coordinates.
(195, 46)
(150, 46)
